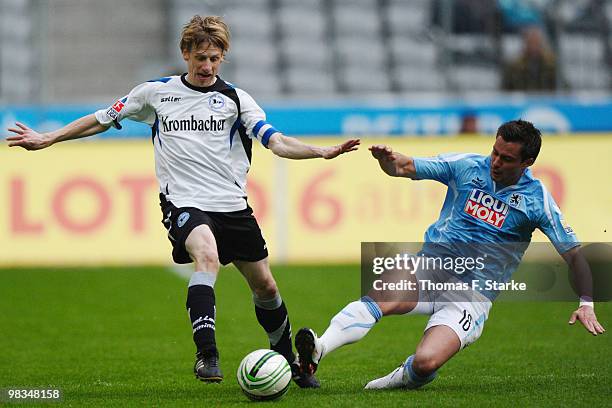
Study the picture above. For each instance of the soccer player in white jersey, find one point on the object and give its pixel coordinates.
(202, 130)
(493, 203)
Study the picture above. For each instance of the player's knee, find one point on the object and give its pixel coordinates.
(266, 289)
(425, 364)
(204, 254)
(385, 304)
(202, 248)
(394, 307)
(386, 307)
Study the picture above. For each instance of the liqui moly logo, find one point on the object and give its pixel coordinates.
(487, 208)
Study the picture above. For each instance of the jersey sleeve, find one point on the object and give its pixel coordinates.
(253, 119)
(552, 224)
(441, 168)
(133, 106)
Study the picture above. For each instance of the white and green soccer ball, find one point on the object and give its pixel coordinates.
(264, 375)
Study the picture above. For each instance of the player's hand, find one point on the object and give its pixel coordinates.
(382, 152)
(23, 136)
(586, 316)
(335, 151)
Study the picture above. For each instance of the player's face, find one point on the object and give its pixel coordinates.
(506, 164)
(203, 64)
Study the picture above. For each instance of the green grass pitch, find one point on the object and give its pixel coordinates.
(121, 337)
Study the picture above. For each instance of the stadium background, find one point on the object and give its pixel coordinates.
(79, 311)
(334, 68)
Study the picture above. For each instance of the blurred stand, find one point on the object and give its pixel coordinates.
(535, 69)
(469, 122)
(467, 16)
(76, 51)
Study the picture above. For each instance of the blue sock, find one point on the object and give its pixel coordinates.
(414, 380)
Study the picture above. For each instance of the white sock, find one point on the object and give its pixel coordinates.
(351, 324)
(203, 278)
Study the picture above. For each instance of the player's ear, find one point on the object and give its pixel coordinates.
(528, 162)
(185, 54)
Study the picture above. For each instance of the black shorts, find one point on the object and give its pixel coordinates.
(237, 233)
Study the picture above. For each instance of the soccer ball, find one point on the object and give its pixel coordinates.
(264, 375)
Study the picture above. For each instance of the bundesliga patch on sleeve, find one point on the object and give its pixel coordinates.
(114, 110)
(568, 230)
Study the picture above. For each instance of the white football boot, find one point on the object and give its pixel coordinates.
(402, 377)
(395, 379)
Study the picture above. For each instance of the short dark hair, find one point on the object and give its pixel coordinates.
(523, 132)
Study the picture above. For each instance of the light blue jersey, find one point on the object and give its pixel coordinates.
(497, 223)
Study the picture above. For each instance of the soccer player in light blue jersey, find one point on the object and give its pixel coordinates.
(492, 203)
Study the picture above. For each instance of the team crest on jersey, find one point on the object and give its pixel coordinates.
(487, 208)
(114, 110)
(182, 219)
(515, 200)
(216, 103)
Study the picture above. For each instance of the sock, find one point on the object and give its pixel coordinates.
(350, 325)
(202, 311)
(414, 380)
(272, 316)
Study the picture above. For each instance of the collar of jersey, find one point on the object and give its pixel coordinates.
(217, 86)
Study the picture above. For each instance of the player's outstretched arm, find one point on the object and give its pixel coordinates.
(291, 148)
(579, 267)
(29, 139)
(393, 163)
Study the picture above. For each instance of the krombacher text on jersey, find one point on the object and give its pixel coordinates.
(193, 124)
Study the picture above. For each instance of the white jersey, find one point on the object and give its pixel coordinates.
(202, 138)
